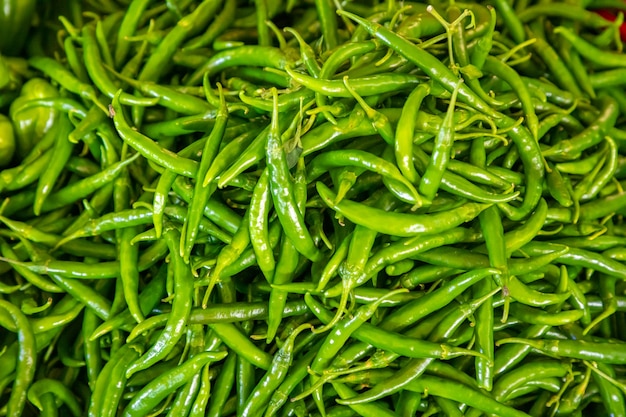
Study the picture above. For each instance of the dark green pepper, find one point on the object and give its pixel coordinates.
(15, 19)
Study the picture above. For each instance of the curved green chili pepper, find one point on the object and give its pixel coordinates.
(160, 387)
(400, 224)
(181, 308)
(26, 360)
(281, 188)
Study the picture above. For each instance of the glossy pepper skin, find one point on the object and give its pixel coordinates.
(7, 140)
(15, 19)
(30, 125)
(12, 70)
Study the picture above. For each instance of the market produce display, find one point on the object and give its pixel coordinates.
(312, 208)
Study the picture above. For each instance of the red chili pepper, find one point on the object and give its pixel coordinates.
(610, 15)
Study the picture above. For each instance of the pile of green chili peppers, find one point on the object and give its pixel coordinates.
(312, 208)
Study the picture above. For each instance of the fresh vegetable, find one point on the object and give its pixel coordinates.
(324, 208)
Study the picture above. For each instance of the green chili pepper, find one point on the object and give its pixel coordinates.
(400, 224)
(281, 187)
(26, 360)
(160, 387)
(181, 307)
